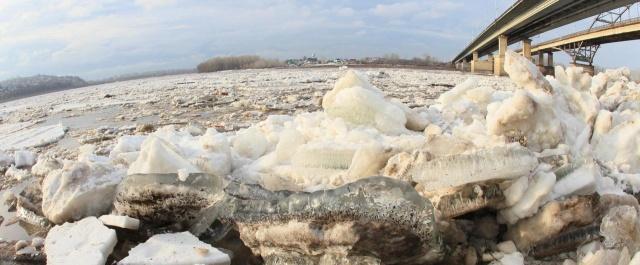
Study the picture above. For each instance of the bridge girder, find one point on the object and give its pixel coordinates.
(584, 53)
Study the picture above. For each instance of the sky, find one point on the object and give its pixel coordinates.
(97, 39)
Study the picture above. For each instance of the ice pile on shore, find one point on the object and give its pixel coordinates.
(500, 176)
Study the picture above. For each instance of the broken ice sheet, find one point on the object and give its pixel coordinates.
(33, 137)
(87, 240)
(500, 163)
(175, 249)
(79, 189)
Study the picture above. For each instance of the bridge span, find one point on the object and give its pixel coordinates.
(590, 40)
(526, 18)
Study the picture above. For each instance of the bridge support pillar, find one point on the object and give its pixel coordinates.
(540, 63)
(546, 68)
(585, 67)
(498, 60)
(526, 48)
(474, 62)
(540, 59)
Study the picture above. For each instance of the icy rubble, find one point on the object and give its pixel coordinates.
(548, 161)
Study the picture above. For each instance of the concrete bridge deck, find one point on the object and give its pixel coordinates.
(527, 18)
(621, 31)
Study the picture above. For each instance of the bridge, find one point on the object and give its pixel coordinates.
(527, 18)
(583, 45)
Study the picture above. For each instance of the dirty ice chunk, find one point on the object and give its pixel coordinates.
(181, 201)
(32, 137)
(120, 221)
(553, 218)
(79, 189)
(621, 227)
(24, 158)
(87, 240)
(158, 156)
(522, 117)
(175, 249)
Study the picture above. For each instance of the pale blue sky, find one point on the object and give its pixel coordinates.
(96, 39)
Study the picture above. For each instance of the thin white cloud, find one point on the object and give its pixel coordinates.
(396, 9)
(151, 4)
(416, 9)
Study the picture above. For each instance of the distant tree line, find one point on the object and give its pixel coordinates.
(237, 62)
(132, 76)
(39, 84)
(395, 59)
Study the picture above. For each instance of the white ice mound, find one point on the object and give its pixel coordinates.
(620, 147)
(171, 151)
(175, 249)
(524, 73)
(159, 156)
(250, 143)
(523, 119)
(32, 137)
(127, 149)
(358, 102)
(500, 163)
(79, 189)
(574, 86)
(86, 241)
